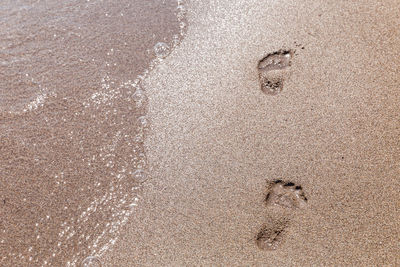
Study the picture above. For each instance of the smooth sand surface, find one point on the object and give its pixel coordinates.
(216, 139)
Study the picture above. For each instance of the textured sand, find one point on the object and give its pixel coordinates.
(216, 139)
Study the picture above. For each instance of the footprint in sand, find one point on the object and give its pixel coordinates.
(287, 197)
(272, 71)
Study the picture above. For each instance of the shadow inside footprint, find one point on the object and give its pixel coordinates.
(271, 71)
(271, 236)
(285, 194)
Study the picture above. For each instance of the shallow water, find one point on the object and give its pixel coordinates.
(73, 122)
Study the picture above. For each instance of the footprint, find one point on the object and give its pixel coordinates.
(285, 194)
(286, 197)
(272, 71)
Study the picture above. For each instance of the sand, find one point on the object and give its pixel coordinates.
(216, 139)
(217, 145)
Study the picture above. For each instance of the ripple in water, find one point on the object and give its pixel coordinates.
(139, 176)
(91, 261)
(139, 97)
(143, 121)
(161, 50)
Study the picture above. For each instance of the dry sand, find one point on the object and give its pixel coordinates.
(216, 139)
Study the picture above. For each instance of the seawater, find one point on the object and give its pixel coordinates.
(73, 122)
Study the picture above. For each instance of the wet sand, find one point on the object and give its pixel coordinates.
(72, 123)
(217, 141)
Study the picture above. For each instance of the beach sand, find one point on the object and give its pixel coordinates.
(304, 175)
(216, 140)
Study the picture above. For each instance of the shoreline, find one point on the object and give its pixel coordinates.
(72, 160)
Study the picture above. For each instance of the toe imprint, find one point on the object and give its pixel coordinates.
(285, 194)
